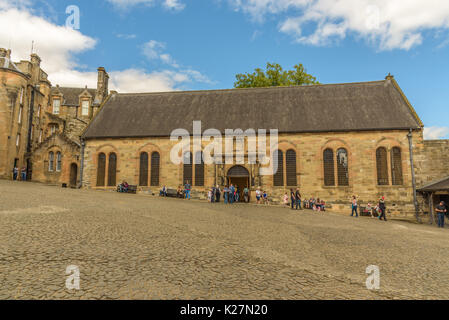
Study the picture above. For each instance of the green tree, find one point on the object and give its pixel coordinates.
(275, 76)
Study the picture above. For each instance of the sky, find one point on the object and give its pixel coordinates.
(165, 45)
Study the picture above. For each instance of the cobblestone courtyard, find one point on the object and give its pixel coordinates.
(140, 247)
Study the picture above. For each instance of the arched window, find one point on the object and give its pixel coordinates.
(396, 167)
(329, 173)
(58, 161)
(143, 173)
(51, 161)
(101, 170)
(155, 168)
(187, 174)
(382, 166)
(342, 167)
(290, 159)
(278, 177)
(199, 169)
(112, 170)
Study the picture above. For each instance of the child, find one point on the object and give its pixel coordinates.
(265, 197)
(286, 199)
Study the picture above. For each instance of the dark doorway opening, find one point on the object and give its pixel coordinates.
(239, 177)
(73, 175)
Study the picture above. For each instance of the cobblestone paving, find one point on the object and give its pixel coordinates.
(140, 247)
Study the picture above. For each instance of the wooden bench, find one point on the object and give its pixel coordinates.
(131, 189)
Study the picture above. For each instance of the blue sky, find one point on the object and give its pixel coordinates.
(202, 44)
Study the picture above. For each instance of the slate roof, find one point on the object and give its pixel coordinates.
(378, 105)
(71, 95)
(440, 185)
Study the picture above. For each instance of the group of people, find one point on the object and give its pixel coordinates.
(380, 208)
(23, 173)
(296, 202)
(231, 194)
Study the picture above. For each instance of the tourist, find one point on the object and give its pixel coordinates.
(265, 198)
(323, 205)
(179, 193)
(187, 188)
(231, 194)
(258, 196)
(318, 204)
(285, 199)
(209, 195)
(163, 192)
(217, 194)
(23, 172)
(226, 194)
(354, 207)
(441, 211)
(298, 199)
(123, 187)
(369, 210)
(237, 194)
(15, 173)
(246, 194)
(292, 198)
(382, 209)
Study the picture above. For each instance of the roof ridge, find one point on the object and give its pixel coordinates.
(250, 89)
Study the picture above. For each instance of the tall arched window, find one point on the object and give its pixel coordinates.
(101, 170)
(342, 167)
(329, 173)
(290, 159)
(51, 161)
(278, 177)
(143, 171)
(396, 167)
(187, 174)
(382, 166)
(155, 168)
(199, 169)
(112, 170)
(58, 161)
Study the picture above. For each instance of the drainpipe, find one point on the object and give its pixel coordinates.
(83, 145)
(415, 201)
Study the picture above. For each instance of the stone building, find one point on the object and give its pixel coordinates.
(335, 141)
(40, 125)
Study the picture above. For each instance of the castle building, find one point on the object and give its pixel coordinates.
(334, 141)
(40, 125)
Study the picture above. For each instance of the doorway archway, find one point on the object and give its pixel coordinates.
(239, 177)
(73, 175)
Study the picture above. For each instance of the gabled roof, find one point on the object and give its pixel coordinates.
(439, 185)
(376, 105)
(72, 95)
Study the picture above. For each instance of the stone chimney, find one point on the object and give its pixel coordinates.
(102, 86)
(35, 68)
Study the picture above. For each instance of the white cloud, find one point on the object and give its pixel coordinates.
(174, 5)
(154, 50)
(433, 133)
(58, 46)
(388, 24)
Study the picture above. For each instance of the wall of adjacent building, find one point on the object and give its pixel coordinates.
(309, 148)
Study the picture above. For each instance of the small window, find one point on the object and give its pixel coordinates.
(22, 90)
(101, 170)
(19, 120)
(278, 177)
(40, 136)
(18, 140)
(382, 167)
(56, 106)
(155, 168)
(342, 167)
(112, 170)
(85, 108)
(32, 132)
(51, 161)
(58, 161)
(396, 167)
(329, 172)
(39, 111)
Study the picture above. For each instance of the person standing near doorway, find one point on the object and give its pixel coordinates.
(441, 211)
(298, 199)
(246, 194)
(231, 194)
(258, 195)
(292, 199)
(217, 194)
(226, 194)
(23, 172)
(354, 207)
(187, 188)
(382, 209)
(15, 173)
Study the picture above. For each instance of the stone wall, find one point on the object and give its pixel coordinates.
(309, 148)
(432, 162)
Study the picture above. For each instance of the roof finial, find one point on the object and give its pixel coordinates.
(389, 76)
